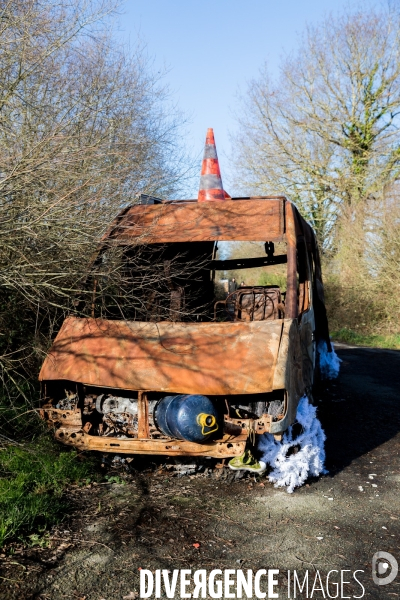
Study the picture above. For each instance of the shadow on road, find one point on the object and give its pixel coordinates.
(360, 411)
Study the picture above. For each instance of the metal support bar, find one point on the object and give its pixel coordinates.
(291, 308)
(143, 417)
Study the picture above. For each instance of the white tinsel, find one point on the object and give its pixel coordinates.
(292, 471)
(329, 362)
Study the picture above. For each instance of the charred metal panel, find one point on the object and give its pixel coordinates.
(188, 222)
(71, 419)
(206, 358)
(308, 346)
(289, 373)
(228, 447)
(291, 309)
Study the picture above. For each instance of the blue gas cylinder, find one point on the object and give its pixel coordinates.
(189, 417)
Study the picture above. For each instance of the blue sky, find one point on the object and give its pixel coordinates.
(213, 48)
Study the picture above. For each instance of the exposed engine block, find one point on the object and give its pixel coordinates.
(120, 415)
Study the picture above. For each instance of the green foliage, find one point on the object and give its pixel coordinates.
(273, 279)
(18, 402)
(32, 482)
(366, 308)
(115, 479)
(38, 539)
(348, 336)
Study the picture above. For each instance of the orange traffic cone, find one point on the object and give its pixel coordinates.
(210, 178)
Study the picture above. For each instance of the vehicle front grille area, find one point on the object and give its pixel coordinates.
(126, 414)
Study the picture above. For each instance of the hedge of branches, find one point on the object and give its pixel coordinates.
(85, 126)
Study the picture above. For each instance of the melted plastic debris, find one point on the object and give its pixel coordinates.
(329, 362)
(291, 469)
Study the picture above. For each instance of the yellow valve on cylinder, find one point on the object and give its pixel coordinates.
(209, 421)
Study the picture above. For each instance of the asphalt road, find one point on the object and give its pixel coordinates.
(212, 521)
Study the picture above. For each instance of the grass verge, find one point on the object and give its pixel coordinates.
(33, 478)
(348, 336)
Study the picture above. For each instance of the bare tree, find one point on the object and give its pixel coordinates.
(85, 126)
(326, 131)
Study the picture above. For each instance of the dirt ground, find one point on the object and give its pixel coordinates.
(216, 520)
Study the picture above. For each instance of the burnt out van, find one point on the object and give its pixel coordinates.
(186, 361)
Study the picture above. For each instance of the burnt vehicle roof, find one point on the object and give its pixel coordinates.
(240, 219)
(256, 218)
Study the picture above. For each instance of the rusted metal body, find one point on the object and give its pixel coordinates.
(167, 357)
(103, 379)
(179, 221)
